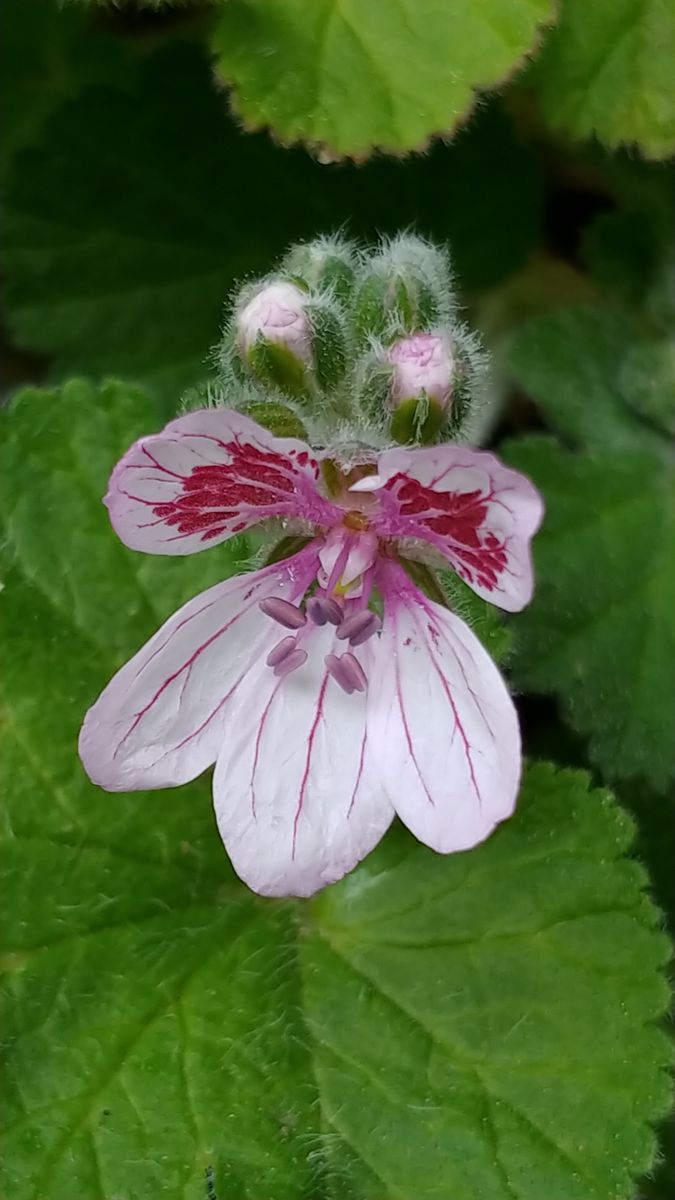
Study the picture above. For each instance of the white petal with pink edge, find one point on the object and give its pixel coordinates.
(207, 476)
(297, 800)
(164, 716)
(479, 514)
(441, 722)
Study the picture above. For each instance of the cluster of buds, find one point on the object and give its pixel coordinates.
(369, 344)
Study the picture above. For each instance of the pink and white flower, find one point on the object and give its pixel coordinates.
(328, 689)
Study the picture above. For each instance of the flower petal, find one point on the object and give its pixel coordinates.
(208, 475)
(345, 556)
(479, 514)
(441, 722)
(297, 801)
(162, 718)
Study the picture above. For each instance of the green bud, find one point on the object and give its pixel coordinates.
(402, 289)
(322, 265)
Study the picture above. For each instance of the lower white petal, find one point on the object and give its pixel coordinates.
(442, 724)
(163, 717)
(296, 798)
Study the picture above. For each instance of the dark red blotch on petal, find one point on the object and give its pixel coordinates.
(457, 517)
(214, 494)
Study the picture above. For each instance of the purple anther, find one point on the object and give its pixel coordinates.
(321, 609)
(282, 611)
(347, 672)
(359, 627)
(354, 672)
(280, 651)
(290, 663)
(357, 639)
(332, 610)
(314, 610)
(334, 665)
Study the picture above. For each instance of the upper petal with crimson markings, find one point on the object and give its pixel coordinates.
(479, 514)
(207, 476)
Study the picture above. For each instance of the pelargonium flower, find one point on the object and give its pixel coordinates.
(328, 689)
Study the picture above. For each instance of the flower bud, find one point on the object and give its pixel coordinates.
(276, 314)
(406, 286)
(326, 264)
(423, 363)
(274, 336)
(420, 389)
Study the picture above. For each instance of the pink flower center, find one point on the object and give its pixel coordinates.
(339, 596)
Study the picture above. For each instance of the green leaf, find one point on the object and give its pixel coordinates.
(655, 847)
(602, 625)
(600, 632)
(623, 252)
(131, 280)
(478, 1026)
(607, 71)
(349, 77)
(571, 362)
(648, 382)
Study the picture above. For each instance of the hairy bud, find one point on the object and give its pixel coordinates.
(274, 336)
(423, 364)
(276, 315)
(420, 391)
(403, 288)
(326, 264)
(364, 345)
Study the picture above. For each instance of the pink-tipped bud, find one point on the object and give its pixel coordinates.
(423, 365)
(276, 315)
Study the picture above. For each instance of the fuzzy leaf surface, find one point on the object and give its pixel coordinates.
(574, 364)
(347, 77)
(606, 71)
(600, 632)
